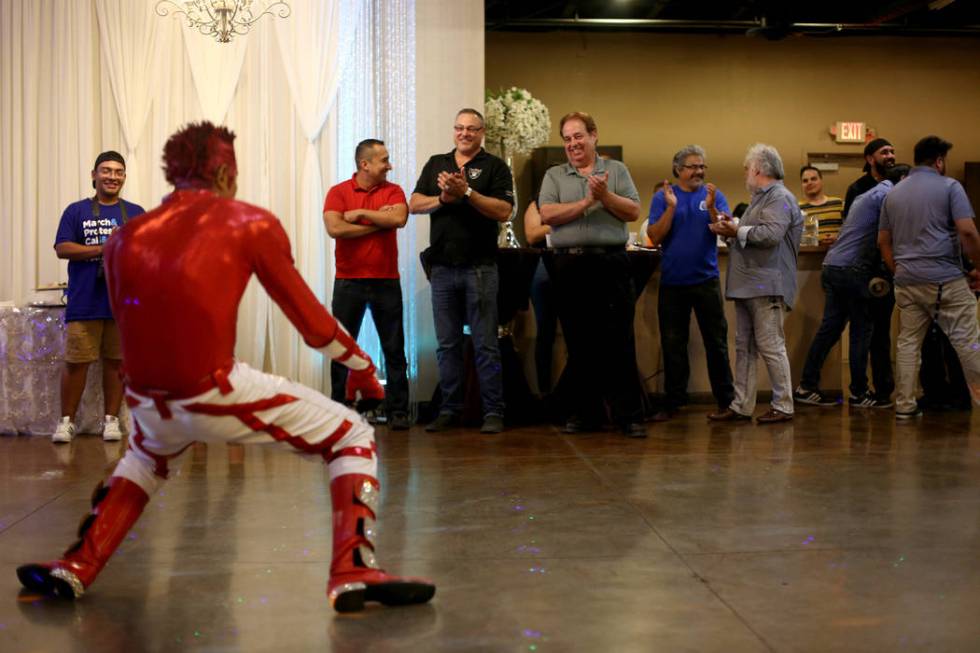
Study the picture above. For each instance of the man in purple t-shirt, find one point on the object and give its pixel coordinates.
(679, 219)
(926, 223)
(92, 334)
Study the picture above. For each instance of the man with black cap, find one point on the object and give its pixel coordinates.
(879, 156)
(92, 334)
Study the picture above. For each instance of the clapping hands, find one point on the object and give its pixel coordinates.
(452, 184)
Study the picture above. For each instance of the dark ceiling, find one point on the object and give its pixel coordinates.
(763, 18)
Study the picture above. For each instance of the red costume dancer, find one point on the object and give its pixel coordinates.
(176, 276)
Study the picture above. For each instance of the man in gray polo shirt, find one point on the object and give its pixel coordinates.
(587, 203)
(762, 280)
(924, 222)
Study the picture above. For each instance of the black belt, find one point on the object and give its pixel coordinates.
(606, 249)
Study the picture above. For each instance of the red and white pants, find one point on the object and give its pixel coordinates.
(245, 408)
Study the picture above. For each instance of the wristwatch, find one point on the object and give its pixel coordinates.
(469, 191)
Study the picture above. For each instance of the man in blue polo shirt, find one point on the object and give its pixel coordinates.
(92, 333)
(679, 219)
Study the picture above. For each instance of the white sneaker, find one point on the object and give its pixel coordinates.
(110, 429)
(65, 431)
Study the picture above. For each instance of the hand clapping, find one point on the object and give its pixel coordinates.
(669, 196)
(452, 184)
(599, 185)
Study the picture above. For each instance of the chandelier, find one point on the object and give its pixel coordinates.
(221, 19)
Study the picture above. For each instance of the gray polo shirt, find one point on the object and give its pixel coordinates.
(919, 212)
(598, 227)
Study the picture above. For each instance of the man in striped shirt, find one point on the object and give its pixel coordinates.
(829, 211)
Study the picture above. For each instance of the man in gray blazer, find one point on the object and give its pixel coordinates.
(762, 281)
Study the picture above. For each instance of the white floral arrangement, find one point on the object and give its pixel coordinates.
(517, 122)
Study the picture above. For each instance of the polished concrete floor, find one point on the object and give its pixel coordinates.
(840, 531)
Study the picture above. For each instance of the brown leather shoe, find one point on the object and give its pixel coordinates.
(773, 416)
(728, 415)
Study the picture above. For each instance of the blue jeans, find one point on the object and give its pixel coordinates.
(351, 297)
(467, 294)
(847, 300)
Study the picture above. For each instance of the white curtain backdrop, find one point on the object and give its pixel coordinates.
(133, 44)
(216, 68)
(315, 46)
(84, 76)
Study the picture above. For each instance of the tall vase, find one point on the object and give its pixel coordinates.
(507, 238)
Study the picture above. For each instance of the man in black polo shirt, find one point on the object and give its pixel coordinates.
(467, 192)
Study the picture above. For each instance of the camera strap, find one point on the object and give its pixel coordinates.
(96, 212)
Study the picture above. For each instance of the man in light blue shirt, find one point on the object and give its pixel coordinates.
(848, 268)
(924, 223)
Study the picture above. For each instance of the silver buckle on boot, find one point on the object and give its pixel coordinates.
(370, 530)
(367, 494)
(343, 589)
(76, 585)
(367, 557)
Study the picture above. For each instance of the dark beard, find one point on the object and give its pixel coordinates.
(881, 169)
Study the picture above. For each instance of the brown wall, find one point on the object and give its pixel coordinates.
(654, 93)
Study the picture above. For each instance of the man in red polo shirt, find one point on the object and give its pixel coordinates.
(363, 214)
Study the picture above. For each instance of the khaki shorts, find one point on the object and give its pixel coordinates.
(90, 340)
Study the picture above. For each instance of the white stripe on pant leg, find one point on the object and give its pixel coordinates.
(138, 468)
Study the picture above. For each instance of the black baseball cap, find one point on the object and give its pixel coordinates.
(108, 155)
(869, 149)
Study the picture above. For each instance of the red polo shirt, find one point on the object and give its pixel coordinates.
(374, 256)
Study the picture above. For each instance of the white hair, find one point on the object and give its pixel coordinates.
(766, 160)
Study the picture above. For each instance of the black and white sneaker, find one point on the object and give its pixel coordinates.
(868, 400)
(812, 397)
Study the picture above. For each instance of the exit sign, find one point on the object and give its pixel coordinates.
(850, 132)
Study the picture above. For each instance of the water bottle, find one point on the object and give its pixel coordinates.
(811, 230)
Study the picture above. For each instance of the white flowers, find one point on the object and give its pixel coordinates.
(516, 122)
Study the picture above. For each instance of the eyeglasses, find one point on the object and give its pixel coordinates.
(469, 129)
(110, 172)
(695, 166)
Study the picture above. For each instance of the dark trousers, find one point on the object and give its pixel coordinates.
(846, 300)
(546, 318)
(881, 344)
(351, 298)
(674, 306)
(595, 300)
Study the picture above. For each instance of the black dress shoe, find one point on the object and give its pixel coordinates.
(399, 421)
(578, 425)
(634, 430)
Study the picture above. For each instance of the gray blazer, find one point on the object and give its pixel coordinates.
(762, 259)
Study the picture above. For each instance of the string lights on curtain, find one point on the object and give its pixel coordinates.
(222, 19)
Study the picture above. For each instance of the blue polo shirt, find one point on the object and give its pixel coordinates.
(857, 243)
(88, 296)
(690, 250)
